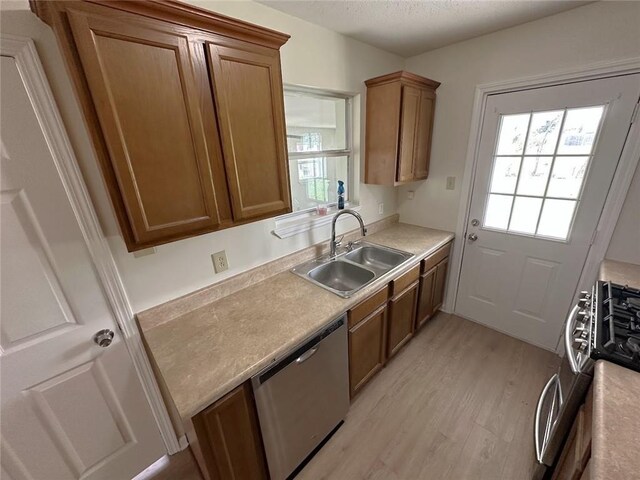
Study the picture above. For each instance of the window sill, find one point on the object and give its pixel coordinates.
(292, 224)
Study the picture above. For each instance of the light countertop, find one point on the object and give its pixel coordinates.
(205, 353)
(616, 423)
(620, 272)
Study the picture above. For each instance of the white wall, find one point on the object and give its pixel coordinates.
(625, 243)
(593, 33)
(314, 56)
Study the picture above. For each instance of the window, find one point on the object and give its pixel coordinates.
(319, 144)
(539, 168)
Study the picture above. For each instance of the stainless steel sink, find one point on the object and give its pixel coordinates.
(342, 276)
(353, 267)
(377, 258)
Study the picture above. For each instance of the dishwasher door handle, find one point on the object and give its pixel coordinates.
(307, 355)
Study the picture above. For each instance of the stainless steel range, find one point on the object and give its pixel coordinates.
(605, 324)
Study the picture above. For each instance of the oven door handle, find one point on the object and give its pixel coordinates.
(573, 362)
(540, 444)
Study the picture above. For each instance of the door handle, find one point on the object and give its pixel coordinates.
(308, 354)
(472, 237)
(104, 337)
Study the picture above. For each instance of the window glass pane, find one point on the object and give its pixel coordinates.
(556, 218)
(505, 174)
(315, 123)
(513, 131)
(524, 218)
(314, 181)
(497, 212)
(567, 176)
(543, 132)
(534, 175)
(579, 130)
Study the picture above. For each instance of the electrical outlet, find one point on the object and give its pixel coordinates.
(220, 261)
(451, 183)
(380, 208)
(411, 194)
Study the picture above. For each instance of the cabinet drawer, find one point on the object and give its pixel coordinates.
(364, 308)
(404, 280)
(436, 257)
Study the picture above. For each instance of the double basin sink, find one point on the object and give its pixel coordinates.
(352, 269)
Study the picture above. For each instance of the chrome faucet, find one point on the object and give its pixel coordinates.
(334, 244)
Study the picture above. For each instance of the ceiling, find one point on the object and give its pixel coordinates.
(410, 27)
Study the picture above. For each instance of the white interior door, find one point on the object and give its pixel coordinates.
(69, 408)
(546, 160)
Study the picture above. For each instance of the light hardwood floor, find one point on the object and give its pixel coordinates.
(456, 403)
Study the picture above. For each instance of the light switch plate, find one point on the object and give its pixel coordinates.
(451, 183)
(220, 263)
(411, 194)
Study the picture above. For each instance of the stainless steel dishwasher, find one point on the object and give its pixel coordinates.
(302, 399)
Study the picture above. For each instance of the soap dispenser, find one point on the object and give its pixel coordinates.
(340, 195)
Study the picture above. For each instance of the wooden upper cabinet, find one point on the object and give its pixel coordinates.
(185, 111)
(247, 85)
(142, 84)
(399, 125)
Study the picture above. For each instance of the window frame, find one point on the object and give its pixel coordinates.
(347, 152)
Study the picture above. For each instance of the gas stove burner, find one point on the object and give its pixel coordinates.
(617, 324)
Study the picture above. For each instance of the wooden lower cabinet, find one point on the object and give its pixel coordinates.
(425, 297)
(402, 313)
(229, 438)
(440, 283)
(367, 352)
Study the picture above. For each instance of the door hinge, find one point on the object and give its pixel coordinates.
(593, 237)
(634, 115)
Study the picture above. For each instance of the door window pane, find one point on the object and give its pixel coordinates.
(513, 131)
(524, 218)
(568, 174)
(529, 185)
(497, 211)
(534, 175)
(505, 174)
(579, 130)
(543, 135)
(556, 218)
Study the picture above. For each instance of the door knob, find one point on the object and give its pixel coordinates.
(104, 337)
(472, 237)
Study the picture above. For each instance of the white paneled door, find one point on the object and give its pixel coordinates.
(70, 409)
(546, 160)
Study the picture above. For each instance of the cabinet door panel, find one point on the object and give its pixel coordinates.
(229, 437)
(408, 132)
(367, 349)
(440, 284)
(402, 313)
(248, 89)
(425, 297)
(158, 149)
(424, 134)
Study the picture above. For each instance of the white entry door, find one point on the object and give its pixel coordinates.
(69, 408)
(546, 160)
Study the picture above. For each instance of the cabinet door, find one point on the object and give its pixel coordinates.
(229, 437)
(141, 78)
(424, 134)
(440, 284)
(408, 132)
(402, 314)
(367, 348)
(247, 85)
(425, 297)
